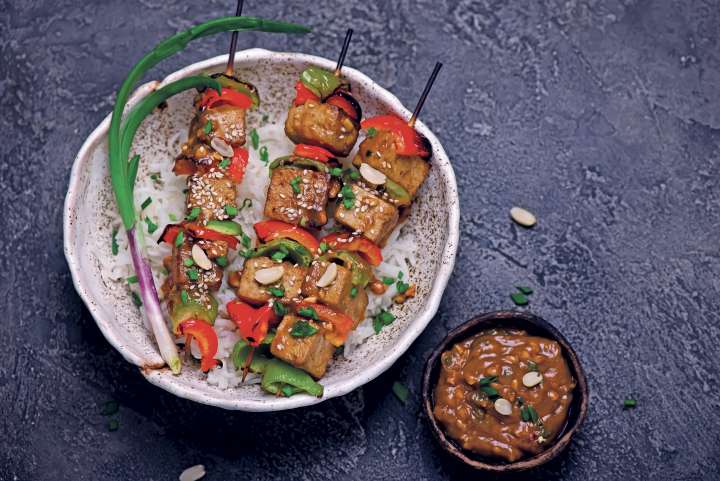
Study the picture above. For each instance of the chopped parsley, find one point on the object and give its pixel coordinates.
(188, 262)
(276, 291)
(353, 292)
(208, 127)
(194, 213)
(383, 319)
(114, 243)
(192, 274)
(519, 298)
(184, 296)
(254, 139)
(152, 226)
(295, 184)
(308, 312)
(230, 210)
(400, 391)
(136, 299)
(629, 403)
(179, 239)
(146, 203)
(222, 261)
(303, 329)
(224, 163)
(324, 247)
(264, 156)
(279, 309)
(132, 280)
(372, 132)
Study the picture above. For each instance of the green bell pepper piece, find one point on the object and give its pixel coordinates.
(228, 227)
(297, 252)
(240, 353)
(191, 309)
(320, 81)
(397, 192)
(299, 162)
(283, 379)
(239, 86)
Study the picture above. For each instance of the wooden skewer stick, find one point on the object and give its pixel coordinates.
(343, 52)
(424, 95)
(230, 68)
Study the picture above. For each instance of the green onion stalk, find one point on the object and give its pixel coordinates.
(123, 171)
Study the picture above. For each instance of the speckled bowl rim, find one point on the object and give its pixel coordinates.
(416, 325)
(471, 327)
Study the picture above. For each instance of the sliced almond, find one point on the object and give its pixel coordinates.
(328, 276)
(372, 175)
(221, 147)
(523, 217)
(269, 275)
(200, 258)
(503, 406)
(193, 473)
(532, 379)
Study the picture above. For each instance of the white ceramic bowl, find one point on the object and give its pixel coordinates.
(90, 211)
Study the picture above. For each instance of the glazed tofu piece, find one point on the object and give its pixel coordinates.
(323, 125)
(252, 292)
(298, 196)
(191, 277)
(311, 354)
(228, 123)
(338, 295)
(379, 152)
(371, 215)
(211, 191)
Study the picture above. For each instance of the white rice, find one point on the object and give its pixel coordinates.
(168, 200)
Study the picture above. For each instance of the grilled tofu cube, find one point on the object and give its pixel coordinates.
(188, 277)
(323, 125)
(338, 295)
(255, 293)
(228, 123)
(306, 207)
(211, 191)
(371, 215)
(379, 152)
(311, 354)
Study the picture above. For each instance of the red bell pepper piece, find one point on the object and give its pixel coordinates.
(313, 152)
(252, 323)
(170, 233)
(184, 166)
(346, 242)
(303, 94)
(268, 230)
(229, 96)
(201, 232)
(341, 323)
(343, 104)
(407, 140)
(236, 169)
(206, 338)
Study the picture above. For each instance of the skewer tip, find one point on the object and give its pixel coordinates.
(426, 91)
(230, 67)
(343, 52)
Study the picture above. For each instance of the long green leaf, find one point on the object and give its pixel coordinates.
(119, 167)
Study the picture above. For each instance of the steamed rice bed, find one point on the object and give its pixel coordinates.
(168, 206)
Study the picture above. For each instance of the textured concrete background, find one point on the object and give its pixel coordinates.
(602, 117)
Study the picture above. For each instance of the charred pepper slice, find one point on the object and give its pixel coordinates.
(294, 250)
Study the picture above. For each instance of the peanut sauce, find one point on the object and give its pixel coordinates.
(490, 366)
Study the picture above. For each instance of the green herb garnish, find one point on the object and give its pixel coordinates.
(222, 261)
(231, 210)
(519, 298)
(400, 391)
(276, 291)
(194, 213)
(529, 414)
(336, 172)
(156, 176)
(490, 391)
(192, 274)
(132, 280)
(254, 139)
(224, 163)
(354, 174)
(308, 312)
(184, 296)
(146, 203)
(388, 281)
(525, 290)
(295, 184)
(172, 217)
(348, 196)
(303, 329)
(136, 299)
(279, 309)
(114, 243)
(353, 292)
(402, 287)
(532, 366)
(383, 319)
(151, 226)
(188, 262)
(372, 132)
(486, 381)
(208, 127)
(179, 239)
(324, 247)
(246, 241)
(629, 403)
(264, 156)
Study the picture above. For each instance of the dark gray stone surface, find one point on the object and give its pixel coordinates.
(602, 117)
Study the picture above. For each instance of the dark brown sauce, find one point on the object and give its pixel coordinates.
(489, 366)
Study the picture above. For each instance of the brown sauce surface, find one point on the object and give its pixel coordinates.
(491, 365)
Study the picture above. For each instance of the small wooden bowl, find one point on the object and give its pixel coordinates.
(533, 325)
